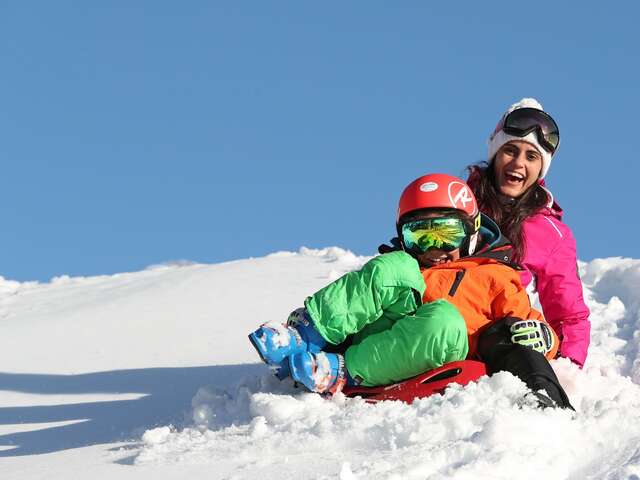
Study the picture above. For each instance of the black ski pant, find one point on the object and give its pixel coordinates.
(500, 354)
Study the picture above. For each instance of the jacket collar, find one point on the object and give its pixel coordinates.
(552, 208)
(493, 244)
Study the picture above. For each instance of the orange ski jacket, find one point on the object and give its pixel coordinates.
(485, 288)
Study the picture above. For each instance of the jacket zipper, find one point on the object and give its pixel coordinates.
(456, 282)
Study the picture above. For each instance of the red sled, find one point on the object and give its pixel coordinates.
(423, 385)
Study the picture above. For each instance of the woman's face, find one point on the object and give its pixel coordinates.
(517, 166)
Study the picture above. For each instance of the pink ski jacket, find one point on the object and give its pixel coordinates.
(551, 270)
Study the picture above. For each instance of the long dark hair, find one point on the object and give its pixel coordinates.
(507, 212)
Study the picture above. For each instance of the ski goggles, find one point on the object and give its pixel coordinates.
(443, 233)
(523, 121)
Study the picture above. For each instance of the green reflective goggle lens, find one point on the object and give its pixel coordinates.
(442, 233)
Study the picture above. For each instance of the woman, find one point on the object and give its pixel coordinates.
(510, 189)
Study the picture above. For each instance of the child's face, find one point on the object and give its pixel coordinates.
(433, 257)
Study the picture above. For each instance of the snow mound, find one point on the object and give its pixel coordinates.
(489, 429)
(152, 370)
(478, 431)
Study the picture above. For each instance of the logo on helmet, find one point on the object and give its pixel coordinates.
(461, 196)
(429, 187)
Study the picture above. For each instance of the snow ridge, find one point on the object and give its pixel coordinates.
(159, 360)
(490, 429)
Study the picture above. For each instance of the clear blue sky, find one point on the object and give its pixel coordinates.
(133, 133)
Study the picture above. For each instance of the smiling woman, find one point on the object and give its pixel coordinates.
(517, 167)
(510, 189)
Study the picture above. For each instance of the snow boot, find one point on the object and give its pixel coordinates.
(319, 372)
(276, 341)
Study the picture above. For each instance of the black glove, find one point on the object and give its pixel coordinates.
(533, 334)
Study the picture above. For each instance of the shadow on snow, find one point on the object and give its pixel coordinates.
(168, 393)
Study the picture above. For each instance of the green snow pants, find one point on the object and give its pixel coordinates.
(394, 336)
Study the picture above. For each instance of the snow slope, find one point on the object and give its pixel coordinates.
(149, 375)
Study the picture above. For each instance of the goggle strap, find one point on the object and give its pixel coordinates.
(477, 222)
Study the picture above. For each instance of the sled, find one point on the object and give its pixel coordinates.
(423, 385)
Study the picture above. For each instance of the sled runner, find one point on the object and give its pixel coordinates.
(423, 385)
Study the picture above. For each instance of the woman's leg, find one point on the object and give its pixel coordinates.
(500, 354)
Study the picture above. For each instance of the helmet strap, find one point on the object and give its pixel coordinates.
(472, 243)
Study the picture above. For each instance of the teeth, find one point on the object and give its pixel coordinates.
(519, 176)
(439, 260)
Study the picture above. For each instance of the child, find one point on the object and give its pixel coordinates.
(450, 293)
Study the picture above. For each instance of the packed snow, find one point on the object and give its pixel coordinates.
(150, 375)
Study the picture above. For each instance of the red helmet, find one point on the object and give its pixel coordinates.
(438, 190)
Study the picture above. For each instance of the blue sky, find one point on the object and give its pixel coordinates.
(133, 133)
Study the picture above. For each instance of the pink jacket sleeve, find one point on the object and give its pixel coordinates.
(551, 257)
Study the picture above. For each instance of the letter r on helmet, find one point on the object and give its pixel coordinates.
(462, 198)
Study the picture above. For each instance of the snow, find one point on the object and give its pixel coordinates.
(150, 375)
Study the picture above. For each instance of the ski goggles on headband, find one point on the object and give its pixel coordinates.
(443, 233)
(523, 121)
